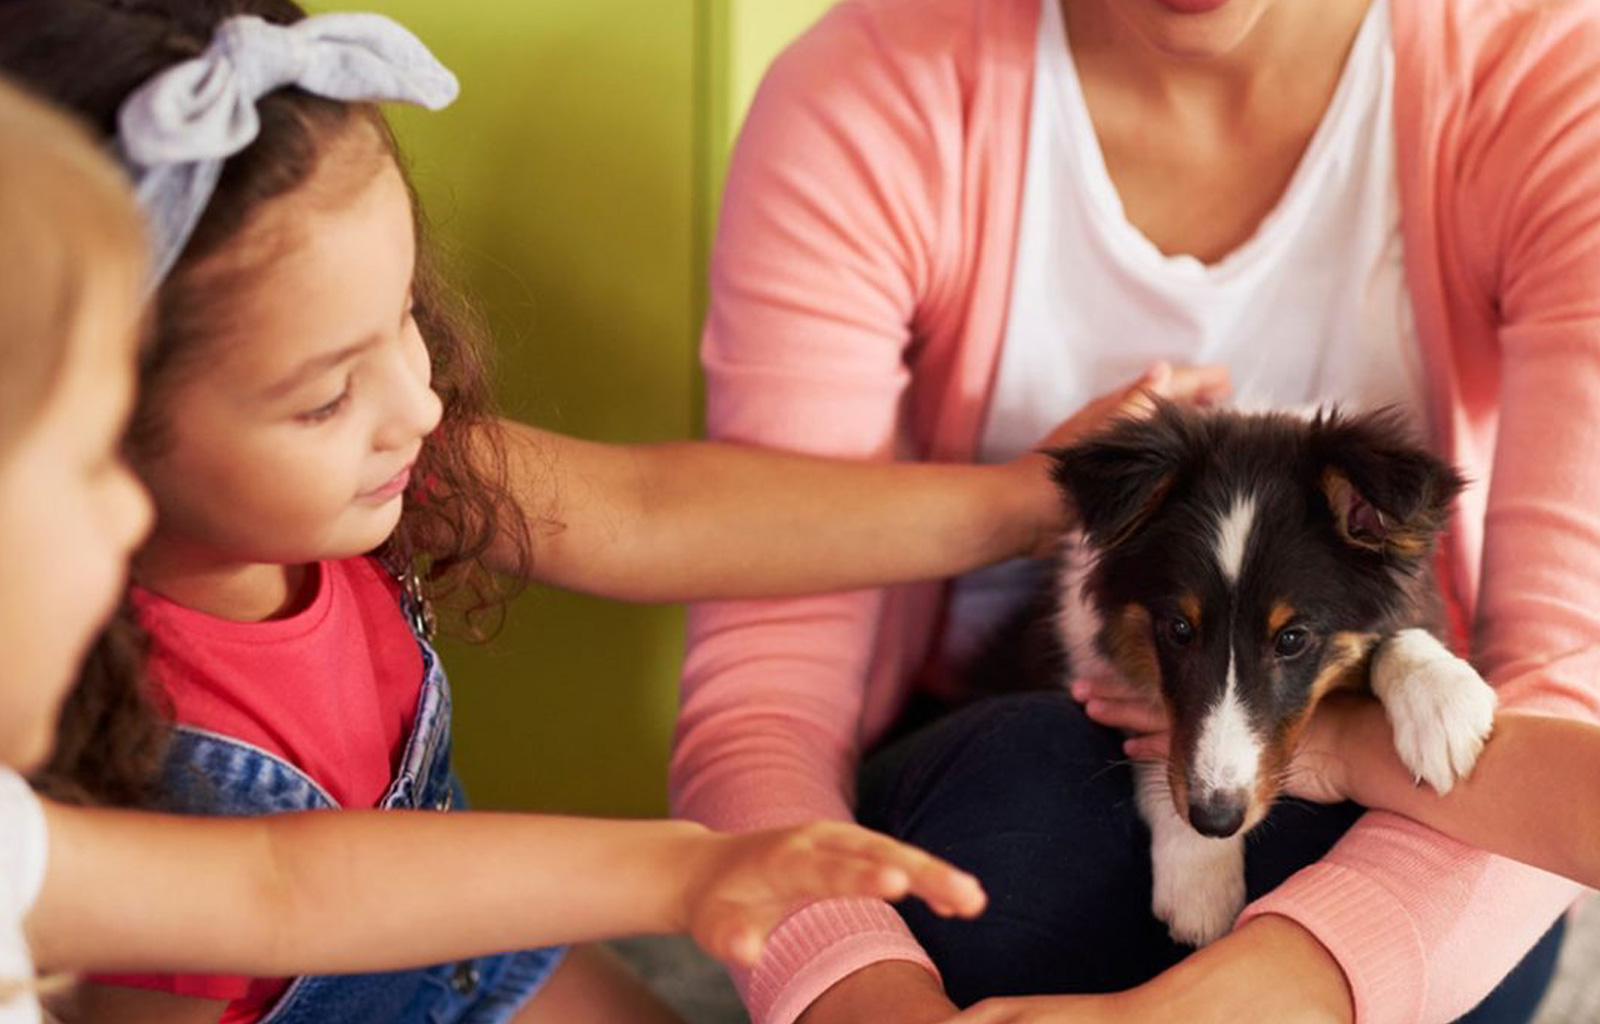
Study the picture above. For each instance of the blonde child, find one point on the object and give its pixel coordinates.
(105, 889)
(308, 399)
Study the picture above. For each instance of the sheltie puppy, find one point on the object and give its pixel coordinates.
(1245, 565)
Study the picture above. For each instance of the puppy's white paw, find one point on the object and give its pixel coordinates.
(1440, 708)
(1199, 886)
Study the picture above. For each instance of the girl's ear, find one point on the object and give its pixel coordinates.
(1115, 479)
(1387, 494)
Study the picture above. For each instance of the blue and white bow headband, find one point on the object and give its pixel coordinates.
(176, 131)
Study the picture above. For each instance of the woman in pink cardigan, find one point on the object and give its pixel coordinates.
(946, 218)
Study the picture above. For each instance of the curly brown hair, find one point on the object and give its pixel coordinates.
(88, 55)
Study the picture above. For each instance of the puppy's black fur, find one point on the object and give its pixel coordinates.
(1347, 510)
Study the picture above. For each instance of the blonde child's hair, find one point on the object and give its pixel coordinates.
(68, 230)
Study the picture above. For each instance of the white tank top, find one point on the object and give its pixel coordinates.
(1312, 308)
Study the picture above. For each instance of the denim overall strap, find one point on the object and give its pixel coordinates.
(208, 773)
(483, 990)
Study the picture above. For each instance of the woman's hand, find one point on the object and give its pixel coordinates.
(1319, 771)
(1190, 385)
(744, 884)
(1115, 702)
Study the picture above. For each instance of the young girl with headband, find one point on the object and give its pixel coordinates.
(312, 423)
(99, 889)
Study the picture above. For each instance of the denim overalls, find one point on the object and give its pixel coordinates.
(206, 773)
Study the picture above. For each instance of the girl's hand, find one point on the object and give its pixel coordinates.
(746, 884)
(1196, 385)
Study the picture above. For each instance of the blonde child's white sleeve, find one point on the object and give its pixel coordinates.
(24, 850)
(24, 843)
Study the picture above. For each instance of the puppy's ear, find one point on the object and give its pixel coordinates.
(1387, 493)
(1114, 479)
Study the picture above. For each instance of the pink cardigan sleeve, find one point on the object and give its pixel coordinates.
(1425, 927)
(821, 253)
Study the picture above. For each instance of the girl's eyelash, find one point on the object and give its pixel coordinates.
(327, 412)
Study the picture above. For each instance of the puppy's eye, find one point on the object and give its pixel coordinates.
(1179, 631)
(1291, 642)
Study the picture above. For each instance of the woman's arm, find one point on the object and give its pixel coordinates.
(694, 521)
(323, 892)
(1531, 795)
(1269, 969)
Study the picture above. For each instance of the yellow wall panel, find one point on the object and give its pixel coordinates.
(573, 186)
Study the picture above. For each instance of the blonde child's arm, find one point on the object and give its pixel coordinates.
(333, 892)
(1532, 795)
(706, 520)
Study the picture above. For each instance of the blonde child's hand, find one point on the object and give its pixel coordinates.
(1189, 385)
(745, 884)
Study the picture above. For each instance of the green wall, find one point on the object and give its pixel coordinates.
(574, 187)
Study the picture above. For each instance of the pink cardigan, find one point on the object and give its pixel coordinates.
(859, 292)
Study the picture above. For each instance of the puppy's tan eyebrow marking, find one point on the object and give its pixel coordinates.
(1127, 637)
(1281, 615)
(1344, 666)
(1189, 605)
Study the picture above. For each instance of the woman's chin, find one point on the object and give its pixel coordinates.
(1194, 30)
(1193, 7)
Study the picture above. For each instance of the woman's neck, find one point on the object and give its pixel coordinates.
(205, 581)
(1221, 61)
(1230, 123)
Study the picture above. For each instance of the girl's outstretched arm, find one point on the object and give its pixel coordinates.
(333, 892)
(705, 520)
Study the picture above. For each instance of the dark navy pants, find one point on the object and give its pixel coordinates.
(1037, 801)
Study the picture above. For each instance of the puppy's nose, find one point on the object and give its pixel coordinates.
(1219, 814)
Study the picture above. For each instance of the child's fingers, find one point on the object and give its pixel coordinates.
(736, 931)
(736, 938)
(1200, 385)
(824, 860)
(1185, 385)
(873, 864)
